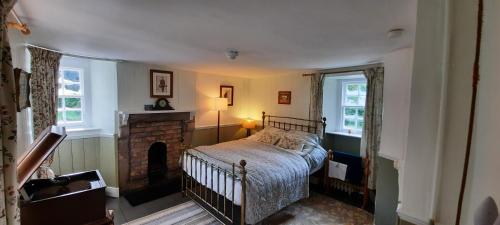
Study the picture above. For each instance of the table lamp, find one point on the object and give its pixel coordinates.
(248, 124)
(220, 104)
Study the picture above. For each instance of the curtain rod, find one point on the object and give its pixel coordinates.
(19, 25)
(350, 68)
(75, 55)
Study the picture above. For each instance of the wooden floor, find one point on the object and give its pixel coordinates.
(124, 212)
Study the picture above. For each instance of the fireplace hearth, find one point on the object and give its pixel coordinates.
(157, 162)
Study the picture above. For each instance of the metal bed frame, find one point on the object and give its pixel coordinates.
(217, 204)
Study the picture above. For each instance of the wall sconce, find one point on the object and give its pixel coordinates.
(220, 104)
(248, 124)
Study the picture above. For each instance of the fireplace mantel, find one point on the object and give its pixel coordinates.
(124, 115)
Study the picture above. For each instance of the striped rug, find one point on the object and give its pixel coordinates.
(188, 213)
(318, 209)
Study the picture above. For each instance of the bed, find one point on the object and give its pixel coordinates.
(247, 180)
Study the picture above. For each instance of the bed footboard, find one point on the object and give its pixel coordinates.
(202, 191)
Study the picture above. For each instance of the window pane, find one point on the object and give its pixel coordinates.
(362, 100)
(74, 103)
(72, 89)
(352, 100)
(59, 116)
(71, 76)
(59, 103)
(361, 112)
(361, 124)
(350, 123)
(349, 111)
(362, 89)
(74, 115)
(352, 89)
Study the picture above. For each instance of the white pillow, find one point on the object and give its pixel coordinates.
(309, 137)
(269, 135)
(292, 142)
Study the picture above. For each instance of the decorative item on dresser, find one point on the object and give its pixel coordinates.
(227, 91)
(162, 83)
(284, 97)
(226, 188)
(77, 198)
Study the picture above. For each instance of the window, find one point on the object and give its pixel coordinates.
(353, 106)
(71, 97)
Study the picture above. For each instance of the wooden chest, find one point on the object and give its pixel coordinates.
(72, 199)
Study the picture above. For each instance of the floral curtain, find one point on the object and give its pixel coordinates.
(370, 141)
(316, 98)
(44, 71)
(9, 210)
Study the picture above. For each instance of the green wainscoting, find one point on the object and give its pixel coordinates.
(208, 136)
(95, 153)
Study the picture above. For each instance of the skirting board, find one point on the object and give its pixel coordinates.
(113, 192)
(414, 220)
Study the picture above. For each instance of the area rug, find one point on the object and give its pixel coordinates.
(188, 213)
(317, 209)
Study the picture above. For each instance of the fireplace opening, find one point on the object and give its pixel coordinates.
(157, 162)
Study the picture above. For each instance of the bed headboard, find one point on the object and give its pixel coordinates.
(292, 123)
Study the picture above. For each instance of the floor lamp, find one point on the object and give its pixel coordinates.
(220, 104)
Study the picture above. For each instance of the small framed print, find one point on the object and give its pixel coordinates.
(226, 91)
(284, 97)
(162, 83)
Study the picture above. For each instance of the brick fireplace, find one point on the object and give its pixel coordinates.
(149, 147)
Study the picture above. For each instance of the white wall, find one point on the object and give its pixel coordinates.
(208, 87)
(103, 85)
(331, 100)
(421, 167)
(483, 168)
(192, 92)
(134, 87)
(263, 96)
(397, 89)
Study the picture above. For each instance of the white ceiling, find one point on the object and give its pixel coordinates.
(273, 36)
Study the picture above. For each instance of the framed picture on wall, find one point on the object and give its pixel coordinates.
(226, 91)
(162, 83)
(284, 97)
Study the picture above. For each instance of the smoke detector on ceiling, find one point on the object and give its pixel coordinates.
(395, 33)
(232, 53)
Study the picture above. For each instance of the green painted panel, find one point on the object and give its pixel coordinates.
(208, 136)
(107, 159)
(78, 155)
(65, 157)
(91, 151)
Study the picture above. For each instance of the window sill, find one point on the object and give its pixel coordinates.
(79, 133)
(345, 134)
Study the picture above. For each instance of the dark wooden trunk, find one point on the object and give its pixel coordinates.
(81, 201)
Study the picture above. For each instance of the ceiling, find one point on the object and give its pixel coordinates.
(274, 37)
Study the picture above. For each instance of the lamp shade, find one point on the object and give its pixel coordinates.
(220, 104)
(248, 124)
